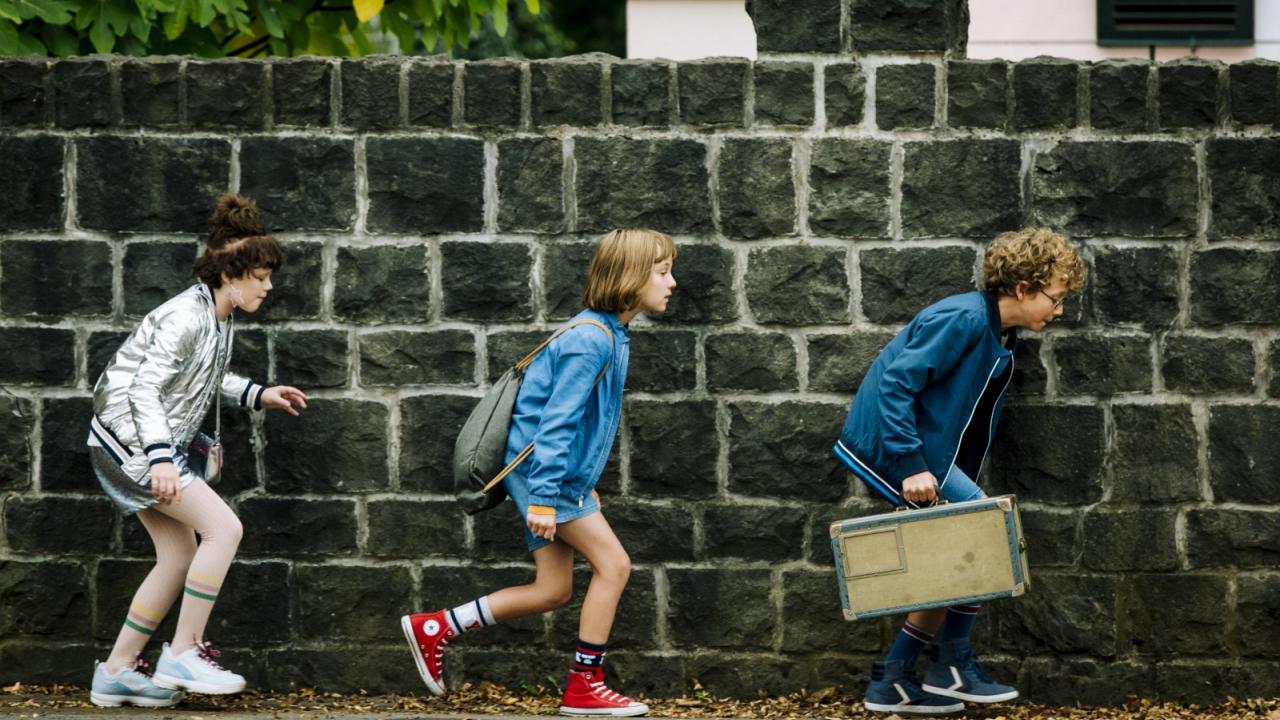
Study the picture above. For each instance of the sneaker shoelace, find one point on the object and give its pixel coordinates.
(438, 655)
(606, 694)
(142, 667)
(209, 654)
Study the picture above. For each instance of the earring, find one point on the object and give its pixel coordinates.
(236, 296)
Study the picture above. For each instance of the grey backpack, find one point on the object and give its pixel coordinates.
(482, 443)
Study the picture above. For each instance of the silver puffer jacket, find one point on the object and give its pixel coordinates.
(154, 394)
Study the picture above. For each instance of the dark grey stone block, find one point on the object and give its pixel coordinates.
(298, 290)
(1053, 537)
(720, 608)
(1188, 93)
(149, 93)
(566, 92)
(783, 93)
(298, 527)
(1135, 189)
(382, 284)
(1198, 614)
(641, 93)
(628, 182)
(1068, 613)
(24, 94)
(564, 275)
(440, 357)
(1243, 203)
(1082, 680)
(424, 185)
(343, 602)
(1203, 365)
(429, 426)
(961, 188)
(1103, 365)
(55, 278)
(850, 188)
(1244, 457)
(1154, 460)
(48, 356)
(844, 92)
(153, 273)
(38, 525)
(1256, 610)
(530, 177)
(300, 90)
(370, 94)
(334, 446)
(789, 26)
(300, 183)
(64, 461)
(31, 196)
(17, 421)
(837, 363)
(1134, 285)
(673, 448)
(798, 285)
(977, 93)
(752, 532)
(909, 26)
(82, 92)
(905, 96)
(1132, 539)
(662, 361)
(783, 450)
(45, 600)
(1254, 92)
(226, 94)
(761, 362)
(149, 184)
(705, 291)
(1044, 93)
(431, 93)
(634, 522)
(1241, 538)
(312, 359)
(897, 284)
(811, 618)
(713, 91)
(487, 281)
(1118, 95)
(491, 93)
(1234, 286)
(331, 667)
(1049, 454)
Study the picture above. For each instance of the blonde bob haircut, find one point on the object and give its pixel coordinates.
(1036, 256)
(621, 266)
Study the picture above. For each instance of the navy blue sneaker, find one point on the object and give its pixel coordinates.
(895, 690)
(954, 673)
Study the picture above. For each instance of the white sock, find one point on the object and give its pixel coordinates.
(471, 616)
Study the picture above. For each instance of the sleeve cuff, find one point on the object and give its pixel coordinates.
(159, 453)
(542, 510)
(911, 464)
(251, 397)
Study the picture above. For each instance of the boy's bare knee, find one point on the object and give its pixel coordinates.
(616, 570)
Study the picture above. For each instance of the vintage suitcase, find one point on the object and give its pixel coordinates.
(948, 554)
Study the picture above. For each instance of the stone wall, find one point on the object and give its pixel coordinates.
(438, 218)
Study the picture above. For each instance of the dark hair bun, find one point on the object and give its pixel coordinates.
(234, 216)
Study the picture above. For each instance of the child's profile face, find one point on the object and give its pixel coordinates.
(657, 292)
(248, 292)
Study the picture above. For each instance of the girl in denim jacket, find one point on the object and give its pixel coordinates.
(568, 408)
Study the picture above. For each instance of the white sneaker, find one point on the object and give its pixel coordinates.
(130, 686)
(196, 670)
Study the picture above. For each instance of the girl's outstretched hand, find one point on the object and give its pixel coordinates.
(283, 397)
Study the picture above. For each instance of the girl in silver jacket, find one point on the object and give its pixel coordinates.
(148, 406)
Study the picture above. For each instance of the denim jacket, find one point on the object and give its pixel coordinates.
(570, 418)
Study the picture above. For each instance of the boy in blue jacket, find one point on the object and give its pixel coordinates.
(919, 429)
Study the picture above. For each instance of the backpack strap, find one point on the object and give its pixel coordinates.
(522, 366)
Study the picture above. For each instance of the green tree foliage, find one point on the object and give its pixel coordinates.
(243, 28)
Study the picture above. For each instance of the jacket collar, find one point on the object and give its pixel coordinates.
(993, 320)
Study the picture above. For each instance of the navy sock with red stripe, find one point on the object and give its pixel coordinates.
(907, 646)
(588, 656)
(959, 622)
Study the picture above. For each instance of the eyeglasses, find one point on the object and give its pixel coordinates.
(1057, 302)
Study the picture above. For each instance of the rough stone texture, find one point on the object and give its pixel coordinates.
(670, 452)
(565, 92)
(1095, 365)
(789, 26)
(1244, 460)
(491, 93)
(757, 196)
(47, 357)
(661, 361)
(798, 285)
(783, 93)
(153, 273)
(1208, 366)
(226, 94)
(844, 87)
(429, 426)
(909, 25)
(850, 188)
(905, 96)
(1188, 93)
(641, 91)
(82, 92)
(297, 527)
(529, 179)
(486, 282)
(421, 185)
(1140, 539)
(17, 420)
(1134, 285)
(1054, 537)
(1064, 471)
(752, 532)
(431, 93)
(1044, 93)
(751, 361)
(896, 284)
(967, 187)
(1118, 95)
(37, 525)
(705, 293)
(805, 629)
(1234, 286)
(31, 194)
(713, 91)
(382, 284)
(1244, 538)
(300, 91)
(1155, 453)
(1243, 205)
(837, 363)
(564, 274)
(47, 599)
(1066, 612)
(733, 602)
(23, 95)
(1197, 615)
(440, 357)
(335, 446)
(370, 94)
(625, 182)
(1136, 189)
(1255, 94)
(349, 603)
(782, 450)
(1031, 376)
(297, 295)
(50, 279)
(149, 93)
(312, 358)
(300, 183)
(1256, 610)
(977, 93)
(149, 184)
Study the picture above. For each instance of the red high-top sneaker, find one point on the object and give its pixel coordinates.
(587, 695)
(427, 634)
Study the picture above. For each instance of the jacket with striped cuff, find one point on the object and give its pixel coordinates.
(158, 387)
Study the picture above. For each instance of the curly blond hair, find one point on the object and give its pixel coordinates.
(1036, 256)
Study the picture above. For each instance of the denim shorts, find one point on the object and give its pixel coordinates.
(570, 505)
(959, 487)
